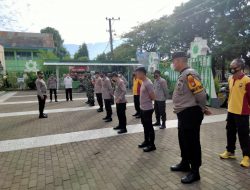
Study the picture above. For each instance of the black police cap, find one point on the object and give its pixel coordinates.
(39, 72)
(141, 69)
(179, 54)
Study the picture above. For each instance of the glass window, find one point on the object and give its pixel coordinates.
(9, 55)
(23, 55)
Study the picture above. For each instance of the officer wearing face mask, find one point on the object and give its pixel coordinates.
(238, 113)
(161, 95)
(189, 99)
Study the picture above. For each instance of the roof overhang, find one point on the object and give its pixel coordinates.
(90, 64)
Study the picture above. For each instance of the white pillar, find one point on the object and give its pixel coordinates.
(57, 77)
(2, 59)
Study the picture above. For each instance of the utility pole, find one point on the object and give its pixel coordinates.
(111, 33)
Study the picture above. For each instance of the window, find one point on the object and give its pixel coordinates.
(9, 55)
(23, 55)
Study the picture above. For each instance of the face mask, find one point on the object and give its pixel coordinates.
(233, 71)
(172, 66)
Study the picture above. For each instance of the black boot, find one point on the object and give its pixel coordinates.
(181, 167)
(163, 125)
(191, 177)
(108, 120)
(100, 110)
(157, 123)
(143, 145)
(121, 131)
(149, 148)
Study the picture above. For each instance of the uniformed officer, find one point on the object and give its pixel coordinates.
(189, 99)
(147, 95)
(161, 95)
(120, 101)
(107, 94)
(90, 90)
(52, 85)
(98, 91)
(41, 93)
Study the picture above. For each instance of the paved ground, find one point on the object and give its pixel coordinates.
(94, 157)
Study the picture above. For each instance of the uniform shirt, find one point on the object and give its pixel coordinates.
(68, 82)
(124, 79)
(120, 91)
(41, 87)
(107, 90)
(189, 91)
(147, 88)
(161, 89)
(98, 85)
(239, 95)
(136, 86)
(52, 83)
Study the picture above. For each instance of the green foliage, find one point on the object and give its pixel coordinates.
(217, 85)
(59, 51)
(31, 80)
(102, 57)
(82, 52)
(84, 59)
(225, 24)
(43, 54)
(125, 52)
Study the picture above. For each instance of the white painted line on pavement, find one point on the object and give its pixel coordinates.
(12, 114)
(34, 95)
(7, 96)
(48, 100)
(49, 140)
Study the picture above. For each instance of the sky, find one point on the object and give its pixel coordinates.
(81, 21)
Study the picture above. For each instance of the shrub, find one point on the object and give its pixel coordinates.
(31, 80)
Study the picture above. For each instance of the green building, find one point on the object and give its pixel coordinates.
(21, 50)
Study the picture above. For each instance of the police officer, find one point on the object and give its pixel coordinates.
(189, 99)
(52, 85)
(98, 91)
(90, 90)
(107, 94)
(120, 101)
(161, 95)
(41, 93)
(147, 95)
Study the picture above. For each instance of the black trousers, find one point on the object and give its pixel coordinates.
(68, 92)
(108, 107)
(121, 114)
(160, 111)
(51, 91)
(189, 122)
(146, 120)
(137, 103)
(41, 103)
(238, 123)
(99, 99)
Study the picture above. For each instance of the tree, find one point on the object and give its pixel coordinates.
(82, 52)
(124, 52)
(225, 24)
(60, 51)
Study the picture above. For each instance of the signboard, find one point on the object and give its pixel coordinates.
(30, 66)
(150, 60)
(198, 47)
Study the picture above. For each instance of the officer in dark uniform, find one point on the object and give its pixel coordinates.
(189, 99)
(90, 90)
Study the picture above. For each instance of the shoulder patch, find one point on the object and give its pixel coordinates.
(194, 84)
